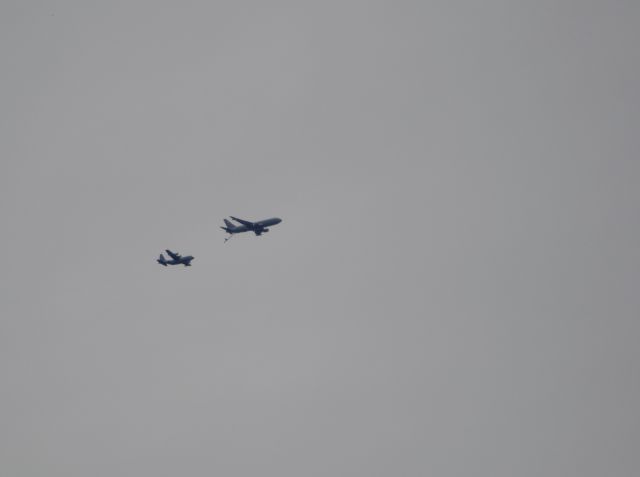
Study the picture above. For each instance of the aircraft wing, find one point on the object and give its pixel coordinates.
(246, 223)
(175, 256)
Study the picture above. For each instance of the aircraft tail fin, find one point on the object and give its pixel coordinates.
(161, 260)
(229, 226)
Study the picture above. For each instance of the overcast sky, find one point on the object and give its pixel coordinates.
(453, 290)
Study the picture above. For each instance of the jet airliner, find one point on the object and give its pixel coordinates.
(258, 228)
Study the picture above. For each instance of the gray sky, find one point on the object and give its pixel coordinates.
(453, 290)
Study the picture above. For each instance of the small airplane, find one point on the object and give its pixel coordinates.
(257, 228)
(176, 259)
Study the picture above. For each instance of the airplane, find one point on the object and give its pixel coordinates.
(257, 228)
(176, 259)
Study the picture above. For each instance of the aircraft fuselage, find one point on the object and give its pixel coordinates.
(258, 227)
(186, 261)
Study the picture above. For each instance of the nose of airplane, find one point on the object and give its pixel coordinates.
(278, 220)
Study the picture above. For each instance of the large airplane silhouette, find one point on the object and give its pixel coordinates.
(258, 228)
(176, 259)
